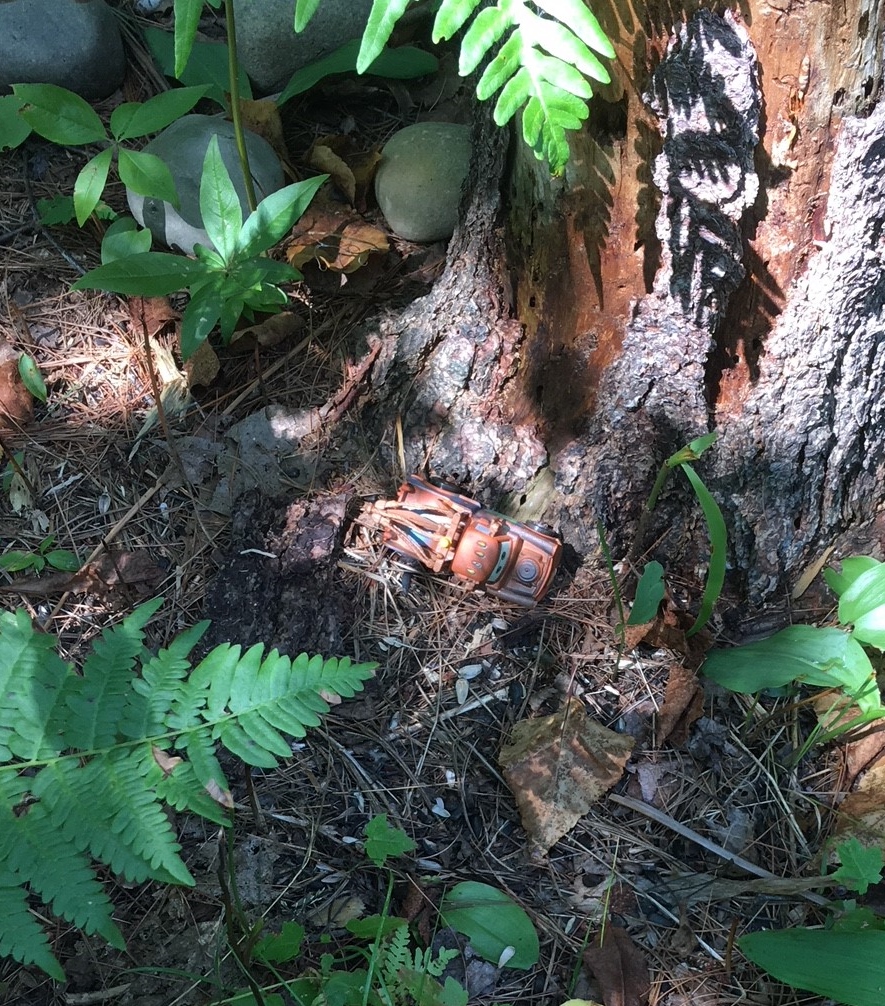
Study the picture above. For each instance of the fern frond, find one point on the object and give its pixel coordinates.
(396, 956)
(97, 699)
(32, 677)
(382, 18)
(127, 828)
(182, 790)
(20, 935)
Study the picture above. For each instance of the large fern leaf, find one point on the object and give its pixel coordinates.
(88, 761)
(544, 66)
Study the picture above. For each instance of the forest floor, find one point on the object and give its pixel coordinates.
(709, 778)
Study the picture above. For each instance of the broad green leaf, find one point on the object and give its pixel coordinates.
(402, 63)
(383, 841)
(207, 66)
(15, 562)
(862, 605)
(282, 947)
(62, 559)
(124, 238)
(718, 547)
(805, 654)
(649, 594)
(450, 17)
(375, 927)
(151, 274)
(576, 15)
(147, 175)
(59, 115)
(859, 867)
(852, 568)
(13, 128)
(31, 377)
(219, 203)
(90, 184)
(492, 921)
(200, 317)
(846, 966)
(382, 18)
(156, 113)
(275, 215)
(304, 11)
(60, 210)
(187, 18)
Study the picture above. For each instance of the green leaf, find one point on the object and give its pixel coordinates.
(154, 114)
(200, 317)
(219, 203)
(62, 559)
(59, 115)
(151, 274)
(718, 547)
(382, 18)
(375, 927)
(123, 239)
(492, 921)
(860, 866)
(90, 184)
(805, 654)
(57, 210)
(31, 376)
(846, 966)
(384, 841)
(862, 605)
(852, 568)
(15, 562)
(187, 18)
(450, 17)
(13, 128)
(304, 11)
(576, 15)
(487, 28)
(649, 594)
(207, 66)
(275, 215)
(147, 175)
(283, 947)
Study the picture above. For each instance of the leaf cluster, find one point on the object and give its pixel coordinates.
(90, 760)
(823, 657)
(43, 555)
(546, 57)
(63, 117)
(234, 278)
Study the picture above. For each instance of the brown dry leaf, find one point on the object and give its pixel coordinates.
(166, 761)
(862, 813)
(364, 167)
(16, 401)
(221, 796)
(619, 967)
(325, 159)
(270, 332)
(337, 237)
(151, 314)
(203, 366)
(263, 117)
(683, 704)
(337, 913)
(635, 634)
(558, 766)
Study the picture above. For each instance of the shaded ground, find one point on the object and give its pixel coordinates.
(654, 857)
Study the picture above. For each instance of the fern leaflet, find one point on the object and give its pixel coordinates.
(88, 761)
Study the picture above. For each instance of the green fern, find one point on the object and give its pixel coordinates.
(542, 68)
(88, 760)
(408, 976)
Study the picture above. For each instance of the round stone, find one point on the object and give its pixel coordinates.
(419, 179)
(72, 43)
(269, 49)
(182, 146)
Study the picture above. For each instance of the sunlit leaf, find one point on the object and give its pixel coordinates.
(59, 115)
(492, 921)
(31, 376)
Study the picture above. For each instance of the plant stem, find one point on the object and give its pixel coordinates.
(233, 70)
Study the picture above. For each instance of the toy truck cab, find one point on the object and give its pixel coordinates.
(451, 533)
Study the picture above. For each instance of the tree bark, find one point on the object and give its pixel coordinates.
(711, 260)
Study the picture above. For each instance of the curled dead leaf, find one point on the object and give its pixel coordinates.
(325, 159)
(558, 766)
(16, 402)
(338, 238)
(620, 968)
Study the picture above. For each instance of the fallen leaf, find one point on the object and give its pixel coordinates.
(325, 159)
(558, 766)
(16, 402)
(166, 761)
(202, 367)
(112, 570)
(620, 968)
(683, 704)
(336, 237)
(270, 332)
(337, 913)
(150, 314)
(263, 117)
(862, 812)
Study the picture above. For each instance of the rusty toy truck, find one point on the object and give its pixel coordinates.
(435, 525)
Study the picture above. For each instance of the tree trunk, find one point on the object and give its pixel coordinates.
(712, 260)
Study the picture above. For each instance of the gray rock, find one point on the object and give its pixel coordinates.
(419, 179)
(73, 43)
(270, 51)
(183, 147)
